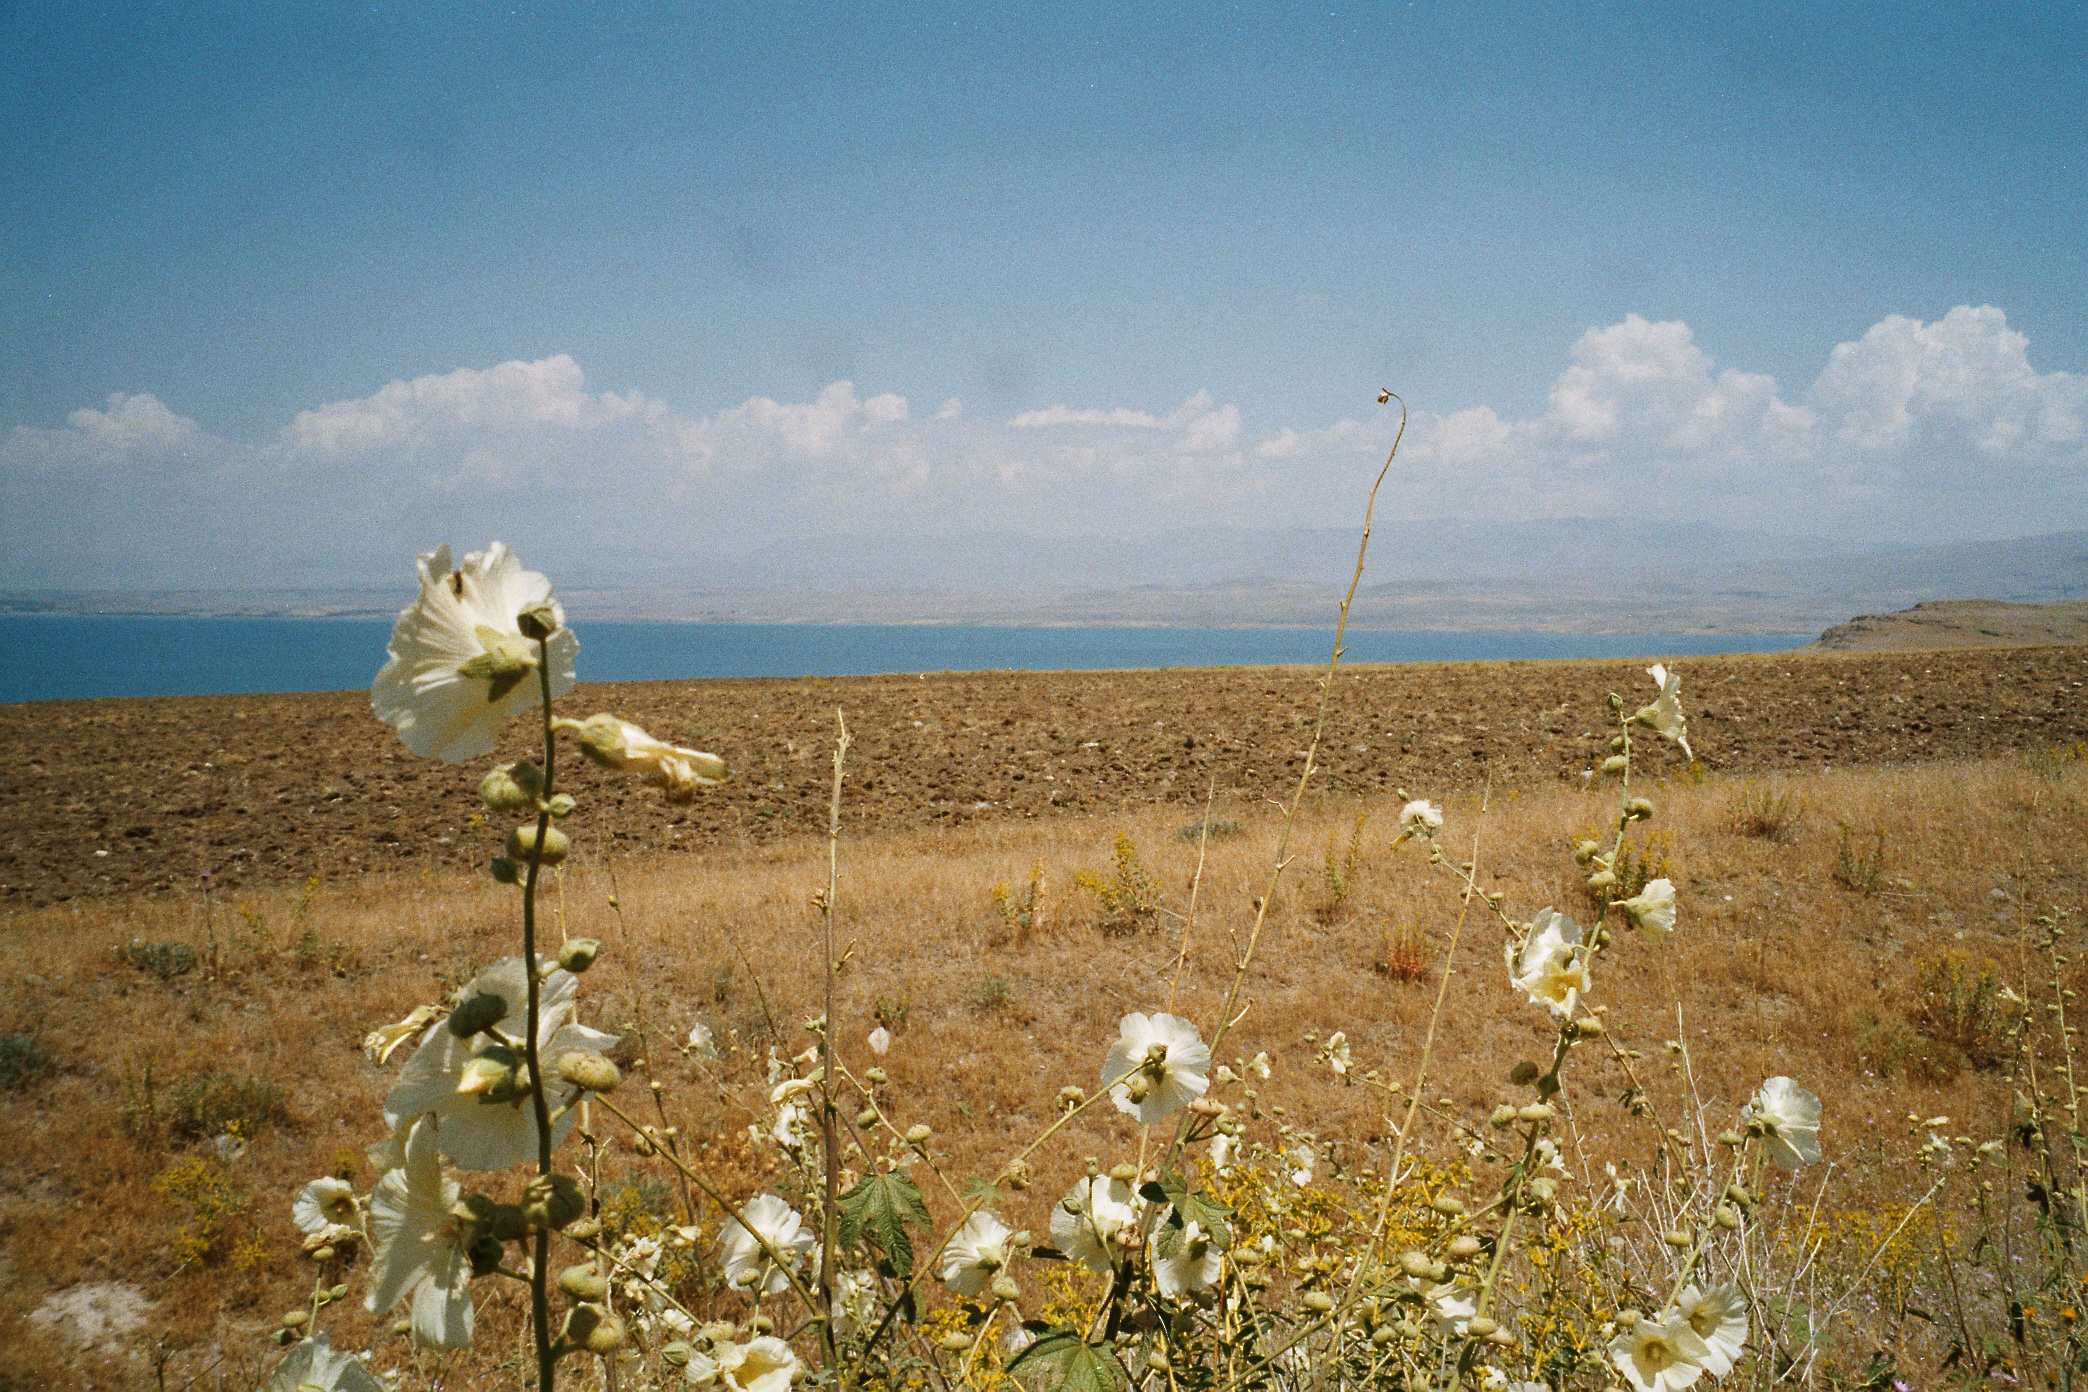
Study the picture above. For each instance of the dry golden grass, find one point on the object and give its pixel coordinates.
(1787, 959)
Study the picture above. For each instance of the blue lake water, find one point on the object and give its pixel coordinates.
(53, 657)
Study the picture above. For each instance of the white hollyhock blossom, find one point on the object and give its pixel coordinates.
(1665, 714)
(1085, 1221)
(766, 1364)
(420, 1245)
(975, 1253)
(326, 1208)
(1167, 1062)
(701, 1041)
(1719, 1318)
(855, 1302)
(748, 1265)
(1337, 1054)
(1653, 908)
(1420, 818)
(1659, 1355)
(618, 744)
(1192, 1267)
(1787, 1118)
(479, 1133)
(1451, 1305)
(313, 1364)
(459, 665)
(1550, 966)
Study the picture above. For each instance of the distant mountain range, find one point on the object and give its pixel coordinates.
(1567, 576)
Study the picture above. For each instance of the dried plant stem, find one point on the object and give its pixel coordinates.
(829, 1139)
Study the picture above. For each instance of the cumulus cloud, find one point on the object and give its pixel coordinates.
(1912, 425)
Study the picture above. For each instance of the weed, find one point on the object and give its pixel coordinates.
(216, 1103)
(891, 1011)
(22, 1061)
(1639, 863)
(1213, 830)
(1959, 1004)
(1770, 814)
(1023, 909)
(1131, 896)
(1340, 870)
(2052, 761)
(1891, 1046)
(992, 994)
(1859, 859)
(209, 1206)
(165, 960)
(1403, 955)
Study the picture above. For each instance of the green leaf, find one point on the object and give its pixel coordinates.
(1191, 1207)
(978, 1190)
(1070, 1365)
(879, 1208)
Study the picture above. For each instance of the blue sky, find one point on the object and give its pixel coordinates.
(324, 272)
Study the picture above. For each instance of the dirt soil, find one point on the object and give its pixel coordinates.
(1959, 623)
(116, 797)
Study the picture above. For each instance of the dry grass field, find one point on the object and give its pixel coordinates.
(1836, 926)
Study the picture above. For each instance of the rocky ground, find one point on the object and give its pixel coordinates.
(145, 796)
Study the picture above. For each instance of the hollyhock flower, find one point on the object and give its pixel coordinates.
(1451, 1305)
(478, 1131)
(1419, 818)
(855, 1302)
(1719, 1318)
(1665, 714)
(748, 1265)
(1337, 1053)
(1167, 1063)
(326, 1209)
(975, 1253)
(1652, 908)
(618, 744)
(459, 665)
(1084, 1222)
(1659, 1355)
(1193, 1263)
(1787, 1118)
(314, 1366)
(766, 1364)
(421, 1246)
(1550, 966)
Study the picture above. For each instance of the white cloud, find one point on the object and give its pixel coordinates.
(1913, 426)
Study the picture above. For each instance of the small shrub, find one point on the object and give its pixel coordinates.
(1890, 1046)
(1130, 897)
(22, 1061)
(217, 1103)
(1859, 859)
(1403, 955)
(1023, 909)
(165, 960)
(209, 1207)
(1214, 830)
(1768, 814)
(1339, 875)
(993, 993)
(891, 1011)
(1959, 1005)
(1639, 862)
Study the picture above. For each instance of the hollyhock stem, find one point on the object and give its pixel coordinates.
(539, 1291)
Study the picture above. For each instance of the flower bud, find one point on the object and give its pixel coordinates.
(1479, 1326)
(584, 1068)
(553, 1201)
(1639, 810)
(339, 1292)
(918, 1134)
(1615, 763)
(1543, 1191)
(1125, 1173)
(1601, 880)
(583, 1282)
(1503, 1115)
(867, 1117)
(1319, 1301)
(324, 1252)
(539, 621)
(485, 1253)
(481, 1012)
(561, 805)
(494, 1073)
(283, 1338)
(676, 1354)
(1536, 1111)
(296, 1319)
(876, 1077)
(1415, 1264)
(1585, 851)
(1449, 1206)
(1466, 1246)
(512, 787)
(594, 1329)
(956, 1341)
(1677, 1238)
(1728, 1217)
(579, 954)
(523, 840)
(1006, 1289)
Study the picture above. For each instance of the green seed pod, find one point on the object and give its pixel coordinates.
(579, 954)
(584, 1068)
(583, 1282)
(918, 1135)
(1415, 1264)
(539, 621)
(1479, 1326)
(338, 1293)
(867, 1117)
(481, 1012)
(1615, 763)
(554, 1201)
(504, 870)
(485, 1253)
(1639, 810)
(523, 839)
(1449, 1206)
(1319, 1301)
(562, 804)
(1466, 1247)
(676, 1354)
(1503, 1115)
(512, 787)
(594, 1329)
(296, 1319)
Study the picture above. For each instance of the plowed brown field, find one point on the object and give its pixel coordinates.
(124, 796)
